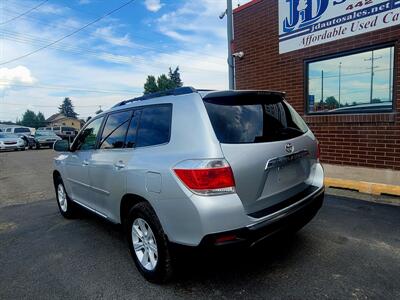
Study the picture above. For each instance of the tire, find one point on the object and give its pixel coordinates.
(142, 218)
(65, 205)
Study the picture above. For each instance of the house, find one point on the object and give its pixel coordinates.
(61, 120)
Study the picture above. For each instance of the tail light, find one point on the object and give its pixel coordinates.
(206, 177)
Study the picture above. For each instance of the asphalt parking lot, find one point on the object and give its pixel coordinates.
(350, 250)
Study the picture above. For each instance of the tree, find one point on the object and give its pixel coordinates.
(163, 82)
(175, 77)
(67, 108)
(331, 102)
(376, 100)
(28, 119)
(151, 85)
(40, 120)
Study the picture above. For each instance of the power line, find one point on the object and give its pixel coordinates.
(135, 37)
(40, 105)
(30, 39)
(70, 34)
(109, 57)
(65, 87)
(24, 13)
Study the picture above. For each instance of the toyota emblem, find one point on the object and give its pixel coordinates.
(289, 148)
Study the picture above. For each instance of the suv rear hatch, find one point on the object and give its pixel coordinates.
(267, 146)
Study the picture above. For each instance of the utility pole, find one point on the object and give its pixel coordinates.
(340, 79)
(372, 59)
(229, 20)
(322, 88)
(390, 75)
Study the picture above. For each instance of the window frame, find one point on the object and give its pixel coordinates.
(98, 145)
(140, 121)
(343, 54)
(133, 110)
(83, 129)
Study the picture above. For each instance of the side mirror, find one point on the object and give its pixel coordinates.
(61, 146)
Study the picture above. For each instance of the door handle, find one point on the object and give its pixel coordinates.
(85, 163)
(119, 165)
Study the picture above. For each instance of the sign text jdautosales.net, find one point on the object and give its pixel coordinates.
(304, 28)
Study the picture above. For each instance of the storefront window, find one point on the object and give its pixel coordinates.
(355, 83)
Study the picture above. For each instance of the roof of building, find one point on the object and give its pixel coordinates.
(244, 6)
(53, 117)
(58, 116)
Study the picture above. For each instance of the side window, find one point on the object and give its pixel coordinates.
(115, 129)
(8, 130)
(155, 126)
(132, 130)
(88, 137)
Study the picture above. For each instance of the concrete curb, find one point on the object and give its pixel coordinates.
(363, 186)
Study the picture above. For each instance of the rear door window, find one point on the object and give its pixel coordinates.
(115, 130)
(154, 126)
(21, 130)
(253, 118)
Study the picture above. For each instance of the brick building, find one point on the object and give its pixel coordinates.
(346, 88)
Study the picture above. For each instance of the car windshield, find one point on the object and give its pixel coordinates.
(45, 133)
(7, 135)
(253, 118)
(22, 130)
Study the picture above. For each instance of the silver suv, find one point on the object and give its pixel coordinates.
(194, 168)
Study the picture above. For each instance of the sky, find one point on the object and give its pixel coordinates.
(108, 61)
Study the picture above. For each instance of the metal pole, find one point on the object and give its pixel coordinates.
(372, 76)
(229, 21)
(340, 79)
(322, 88)
(390, 75)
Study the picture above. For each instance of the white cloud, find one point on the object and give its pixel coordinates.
(200, 52)
(176, 35)
(52, 9)
(108, 35)
(153, 5)
(17, 75)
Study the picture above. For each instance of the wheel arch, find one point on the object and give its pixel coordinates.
(127, 202)
(56, 174)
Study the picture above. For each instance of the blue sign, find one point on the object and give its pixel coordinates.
(306, 23)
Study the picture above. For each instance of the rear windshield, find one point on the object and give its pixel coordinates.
(21, 130)
(253, 118)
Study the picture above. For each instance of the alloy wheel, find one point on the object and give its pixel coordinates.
(62, 197)
(144, 244)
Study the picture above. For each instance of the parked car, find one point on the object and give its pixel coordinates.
(193, 168)
(45, 138)
(63, 132)
(23, 132)
(9, 141)
(17, 129)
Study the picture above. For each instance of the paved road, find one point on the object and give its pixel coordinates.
(350, 250)
(26, 176)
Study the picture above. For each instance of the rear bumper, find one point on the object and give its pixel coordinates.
(290, 218)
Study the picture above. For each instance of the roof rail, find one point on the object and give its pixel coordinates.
(172, 92)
